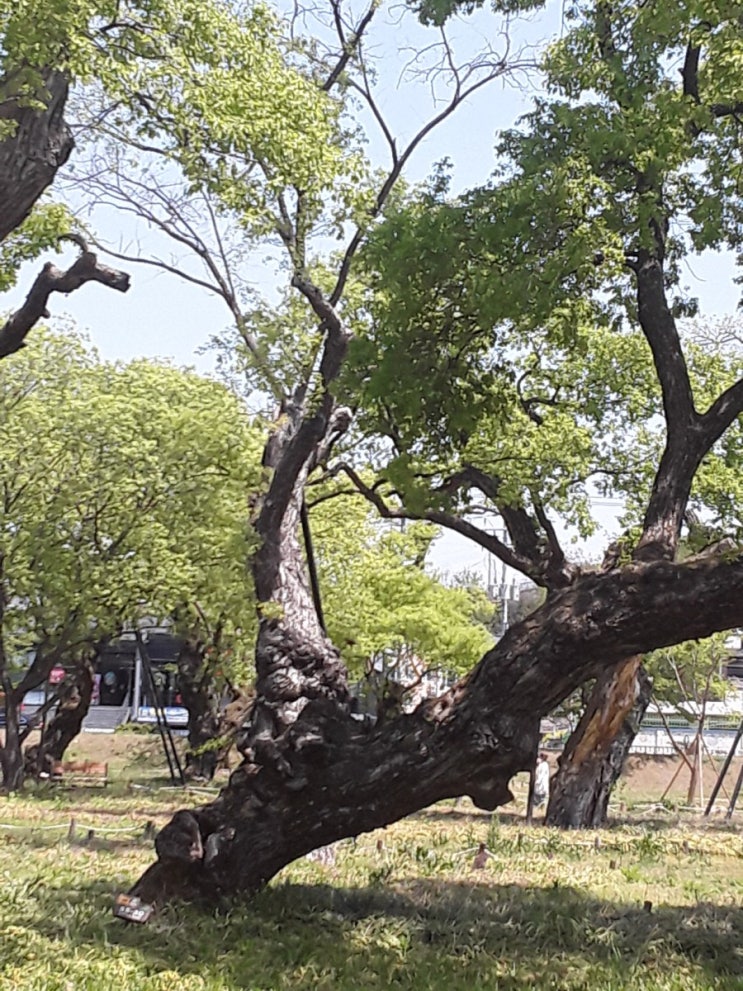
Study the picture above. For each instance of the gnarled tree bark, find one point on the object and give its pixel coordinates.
(317, 775)
(39, 144)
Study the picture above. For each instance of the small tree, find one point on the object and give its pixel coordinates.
(687, 677)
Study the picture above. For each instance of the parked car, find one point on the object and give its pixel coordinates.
(32, 702)
(22, 718)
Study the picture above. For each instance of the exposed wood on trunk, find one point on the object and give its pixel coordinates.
(593, 759)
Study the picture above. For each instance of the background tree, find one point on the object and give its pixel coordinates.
(107, 473)
(379, 598)
(69, 703)
(688, 677)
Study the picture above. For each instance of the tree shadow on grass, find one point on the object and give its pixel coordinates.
(675, 820)
(97, 843)
(438, 813)
(658, 822)
(420, 934)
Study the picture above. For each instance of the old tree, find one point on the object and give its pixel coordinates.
(509, 346)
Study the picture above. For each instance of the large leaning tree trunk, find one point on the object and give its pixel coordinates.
(312, 774)
(594, 756)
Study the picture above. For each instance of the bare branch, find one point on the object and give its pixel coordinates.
(549, 562)
(366, 93)
(722, 412)
(351, 45)
(158, 263)
(50, 280)
(132, 196)
(461, 93)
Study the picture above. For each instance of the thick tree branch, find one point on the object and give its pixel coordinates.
(727, 110)
(546, 557)
(685, 441)
(87, 268)
(558, 569)
(482, 538)
(723, 411)
(659, 328)
(690, 72)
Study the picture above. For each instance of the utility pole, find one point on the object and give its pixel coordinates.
(500, 589)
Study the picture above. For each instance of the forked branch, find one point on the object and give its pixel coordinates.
(525, 564)
(51, 279)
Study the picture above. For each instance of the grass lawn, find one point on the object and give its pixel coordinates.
(401, 908)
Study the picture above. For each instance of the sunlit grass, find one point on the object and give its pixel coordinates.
(401, 908)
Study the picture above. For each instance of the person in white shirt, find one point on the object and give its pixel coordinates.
(541, 781)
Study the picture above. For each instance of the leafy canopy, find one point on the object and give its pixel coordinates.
(378, 597)
(500, 327)
(122, 494)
